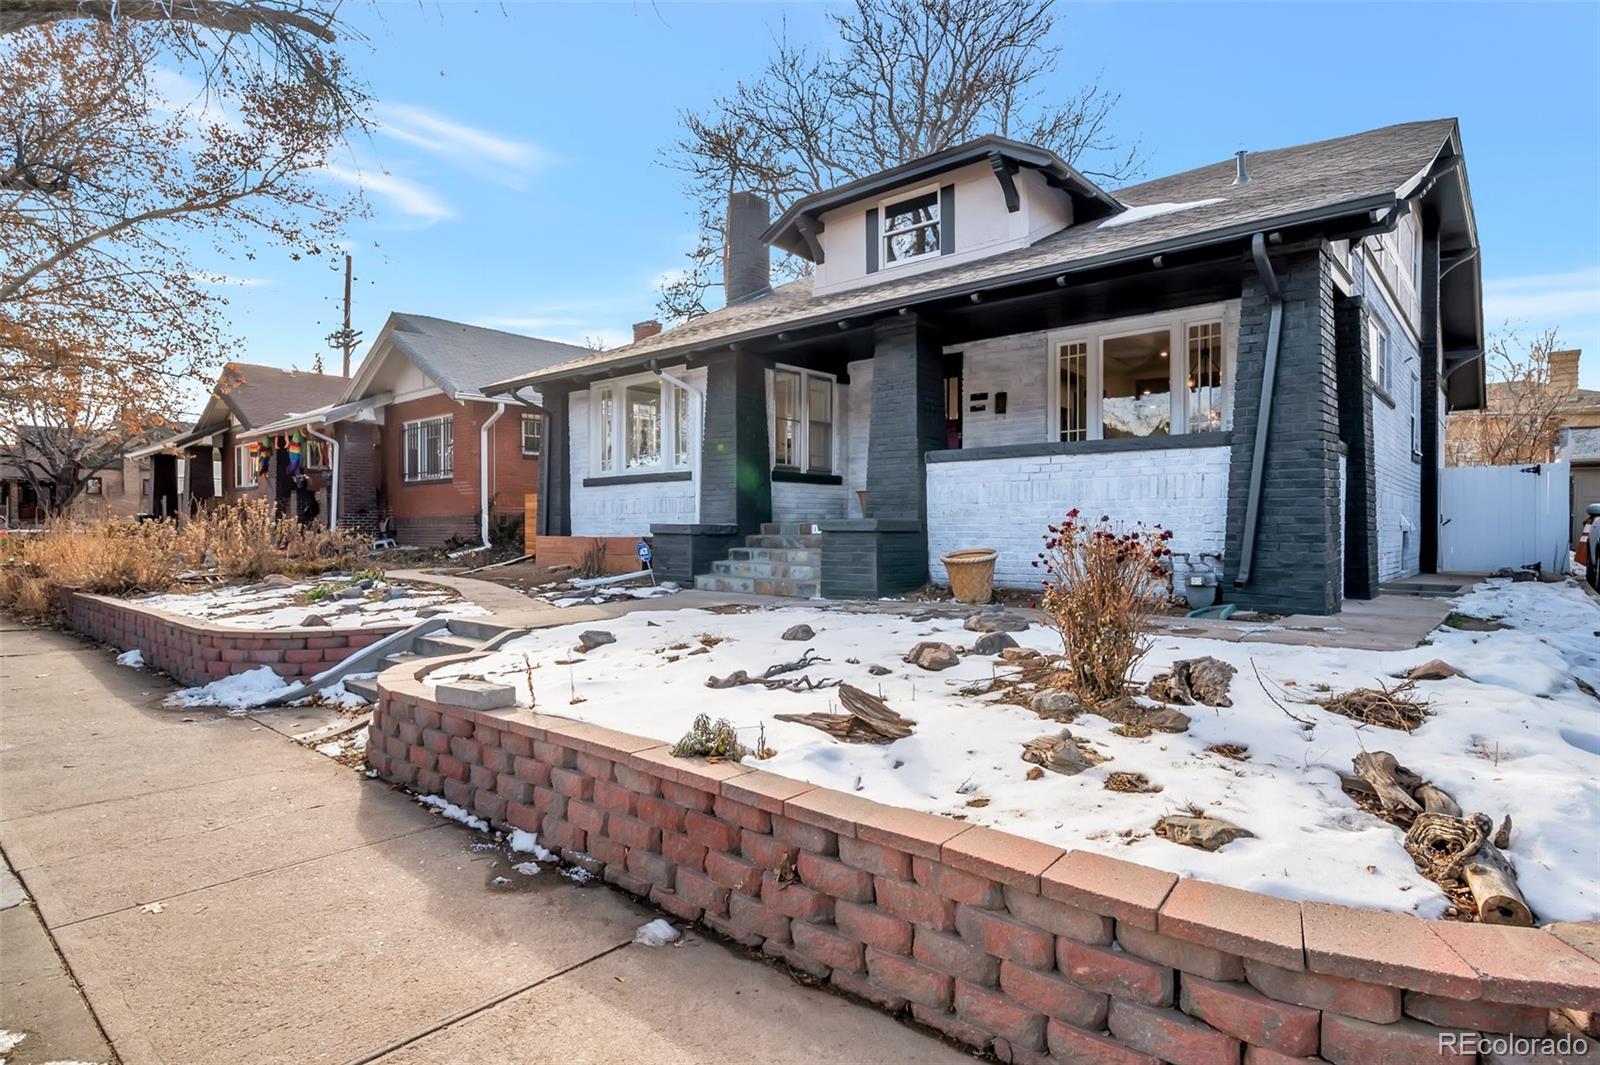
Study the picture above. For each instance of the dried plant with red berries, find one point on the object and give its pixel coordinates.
(1101, 585)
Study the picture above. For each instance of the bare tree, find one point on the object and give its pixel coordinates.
(907, 77)
(1523, 411)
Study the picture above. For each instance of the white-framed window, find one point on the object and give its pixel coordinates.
(642, 425)
(244, 467)
(91, 486)
(430, 449)
(802, 406)
(1155, 375)
(1416, 413)
(532, 434)
(1380, 354)
(908, 227)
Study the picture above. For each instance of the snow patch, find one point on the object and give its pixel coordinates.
(239, 691)
(133, 659)
(9, 1040)
(1154, 210)
(528, 843)
(527, 868)
(449, 809)
(657, 933)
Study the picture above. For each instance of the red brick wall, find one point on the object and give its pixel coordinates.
(361, 485)
(195, 653)
(1006, 944)
(431, 512)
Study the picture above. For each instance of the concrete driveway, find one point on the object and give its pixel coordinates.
(222, 894)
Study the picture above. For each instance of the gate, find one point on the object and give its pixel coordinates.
(1494, 516)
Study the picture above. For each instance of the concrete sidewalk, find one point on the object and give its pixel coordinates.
(222, 894)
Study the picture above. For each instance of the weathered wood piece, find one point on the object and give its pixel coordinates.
(867, 719)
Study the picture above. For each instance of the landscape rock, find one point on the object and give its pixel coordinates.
(1125, 711)
(1205, 833)
(430, 611)
(992, 643)
(878, 671)
(1165, 719)
(350, 593)
(1059, 753)
(589, 639)
(1192, 681)
(276, 580)
(799, 632)
(1523, 576)
(1018, 654)
(313, 621)
(1060, 706)
(932, 655)
(1434, 669)
(996, 621)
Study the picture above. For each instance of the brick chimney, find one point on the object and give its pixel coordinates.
(645, 329)
(1564, 371)
(746, 264)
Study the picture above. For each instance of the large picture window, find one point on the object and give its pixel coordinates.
(429, 450)
(802, 421)
(642, 425)
(1145, 377)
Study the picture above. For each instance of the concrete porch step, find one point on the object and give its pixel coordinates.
(788, 528)
(712, 582)
(786, 541)
(805, 556)
(771, 570)
(366, 687)
(443, 643)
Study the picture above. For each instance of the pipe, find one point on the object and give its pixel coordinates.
(483, 468)
(333, 485)
(1269, 380)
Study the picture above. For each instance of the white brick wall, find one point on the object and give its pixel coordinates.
(620, 509)
(796, 502)
(1014, 365)
(858, 404)
(1006, 503)
(1399, 477)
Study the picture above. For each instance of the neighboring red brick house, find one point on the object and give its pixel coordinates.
(419, 442)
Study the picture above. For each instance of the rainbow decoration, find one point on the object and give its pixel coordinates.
(296, 443)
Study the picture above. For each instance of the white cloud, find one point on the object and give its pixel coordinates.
(410, 198)
(494, 155)
(1543, 298)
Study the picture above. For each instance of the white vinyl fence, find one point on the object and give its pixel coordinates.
(1493, 516)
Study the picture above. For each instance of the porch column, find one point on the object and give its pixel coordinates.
(555, 465)
(200, 482)
(735, 475)
(886, 552)
(1355, 429)
(1430, 384)
(1297, 565)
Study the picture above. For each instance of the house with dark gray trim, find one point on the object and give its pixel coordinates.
(1258, 354)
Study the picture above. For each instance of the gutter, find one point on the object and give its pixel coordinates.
(1269, 380)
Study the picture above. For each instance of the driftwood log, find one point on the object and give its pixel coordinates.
(1391, 783)
(1447, 848)
(867, 719)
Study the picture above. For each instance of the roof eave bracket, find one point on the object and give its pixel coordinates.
(810, 230)
(1005, 172)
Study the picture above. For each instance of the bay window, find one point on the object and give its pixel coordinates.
(430, 449)
(802, 421)
(642, 425)
(1145, 377)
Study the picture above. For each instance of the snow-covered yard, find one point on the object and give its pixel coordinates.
(335, 601)
(1519, 737)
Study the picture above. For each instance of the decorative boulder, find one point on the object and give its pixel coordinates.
(1058, 706)
(992, 643)
(799, 632)
(589, 639)
(1434, 669)
(932, 655)
(996, 621)
(313, 621)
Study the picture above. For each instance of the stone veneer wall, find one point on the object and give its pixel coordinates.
(1031, 952)
(197, 652)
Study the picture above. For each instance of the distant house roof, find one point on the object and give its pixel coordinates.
(257, 394)
(462, 359)
(1304, 184)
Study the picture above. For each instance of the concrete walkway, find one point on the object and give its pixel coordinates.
(222, 894)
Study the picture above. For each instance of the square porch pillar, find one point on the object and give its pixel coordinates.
(734, 481)
(886, 552)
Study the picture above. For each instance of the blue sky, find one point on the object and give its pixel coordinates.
(515, 178)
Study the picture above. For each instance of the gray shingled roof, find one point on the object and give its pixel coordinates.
(260, 394)
(1286, 185)
(463, 359)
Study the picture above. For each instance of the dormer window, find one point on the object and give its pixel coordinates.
(911, 228)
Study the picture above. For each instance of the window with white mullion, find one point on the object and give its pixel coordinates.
(1203, 381)
(911, 228)
(802, 408)
(429, 450)
(641, 425)
(1073, 390)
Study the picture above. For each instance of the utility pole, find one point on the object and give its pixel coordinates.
(346, 338)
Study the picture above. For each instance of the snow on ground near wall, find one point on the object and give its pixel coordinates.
(238, 691)
(1522, 739)
(257, 606)
(133, 659)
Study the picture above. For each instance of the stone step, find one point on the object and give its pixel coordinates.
(712, 582)
(474, 629)
(788, 528)
(805, 556)
(398, 658)
(366, 687)
(792, 571)
(786, 541)
(442, 643)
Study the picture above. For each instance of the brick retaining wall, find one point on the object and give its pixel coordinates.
(1003, 943)
(197, 652)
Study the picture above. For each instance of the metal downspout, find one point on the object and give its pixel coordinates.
(1269, 380)
(333, 484)
(483, 467)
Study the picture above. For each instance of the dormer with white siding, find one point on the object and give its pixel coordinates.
(988, 196)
